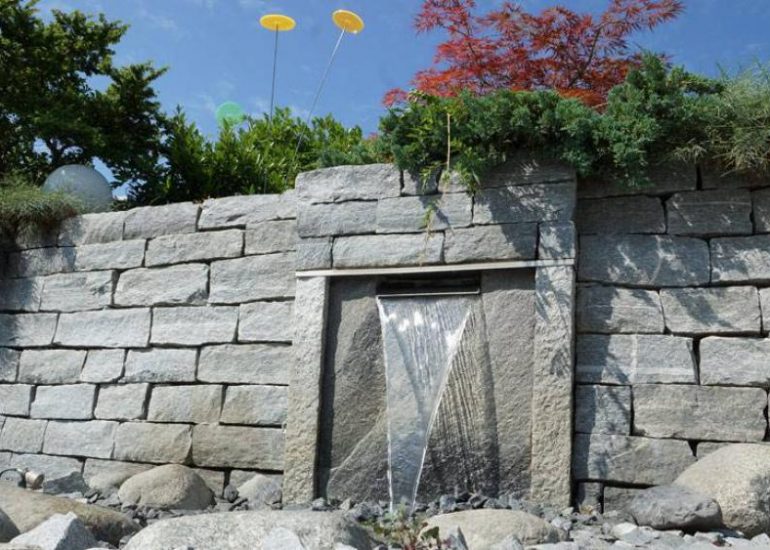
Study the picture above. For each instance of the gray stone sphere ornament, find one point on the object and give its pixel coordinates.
(84, 183)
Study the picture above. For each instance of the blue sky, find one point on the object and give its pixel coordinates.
(216, 50)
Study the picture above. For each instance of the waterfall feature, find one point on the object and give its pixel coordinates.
(421, 336)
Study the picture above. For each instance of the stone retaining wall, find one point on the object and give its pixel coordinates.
(671, 358)
(158, 335)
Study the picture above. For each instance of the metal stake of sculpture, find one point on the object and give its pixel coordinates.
(276, 23)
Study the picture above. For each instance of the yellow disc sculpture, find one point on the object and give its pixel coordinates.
(277, 22)
(348, 21)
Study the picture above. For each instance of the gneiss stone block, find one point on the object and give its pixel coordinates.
(347, 218)
(69, 402)
(634, 359)
(117, 255)
(414, 214)
(27, 330)
(698, 412)
(266, 322)
(22, 435)
(733, 310)
(314, 254)
(738, 259)
(103, 366)
(603, 410)
(78, 291)
(21, 294)
(128, 328)
(54, 466)
(664, 179)
(169, 219)
(263, 277)
(156, 443)
(388, 250)
(122, 402)
(607, 309)
(734, 361)
(349, 183)
(238, 447)
(644, 260)
(491, 243)
(246, 364)
(761, 203)
(40, 261)
(9, 364)
(192, 247)
(556, 241)
(256, 405)
(244, 210)
(160, 365)
(102, 227)
(51, 366)
(269, 237)
(194, 326)
(637, 214)
(709, 213)
(176, 285)
(194, 404)
(88, 439)
(633, 460)
(15, 399)
(524, 203)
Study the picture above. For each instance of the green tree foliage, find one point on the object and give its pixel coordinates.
(52, 112)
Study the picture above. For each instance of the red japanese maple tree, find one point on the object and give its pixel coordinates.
(577, 54)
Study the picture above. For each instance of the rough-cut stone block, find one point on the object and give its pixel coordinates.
(156, 443)
(15, 399)
(387, 250)
(314, 254)
(761, 203)
(254, 278)
(176, 285)
(255, 405)
(714, 176)
(88, 439)
(242, 211)
(55, 366)
(21, 294)
(603, 410)
(54, 467)
(103, 366)
(266, 322)
(698, 412)
(92, 228)
(193, 404)
(644, 260)
(556, 241)
(637, 214)
(27, 330)
(618, 499)
(734, 362)
(588, 496)
(123, 402)
(664, 179)
(525, 203)
(708, 213)
(491, 243)
(605, 309)
(78, 291)
(708, 447)
(129, 328)
(634, 359)
(349, 183)
(738, 259)
(9, 364)
(249, 364)
(416, 184)
(732, 310)
(96, 467)
(73, 402)
(237, 447)
(634, 460)
(525, 170)
(153, 221)
(194, 326)
(160, 365)
(414, 214)
(22, 435)
(191, 247)
(269, 237)
(117, 255)
(348, 218)
(41, 261)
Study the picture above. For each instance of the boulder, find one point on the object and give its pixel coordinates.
(675, 507)
(261, 490)
(8, 528)
(167, 487)
(485, 528)
(28, 509)
(59, 532)
(237, 530)
(71, 483)
(738, 478)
